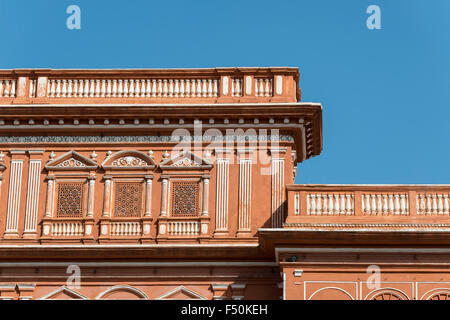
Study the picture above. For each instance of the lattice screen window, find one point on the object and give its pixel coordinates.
(128, 199)
(185, 199)
(70, 200)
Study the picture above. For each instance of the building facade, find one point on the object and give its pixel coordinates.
(179, 184)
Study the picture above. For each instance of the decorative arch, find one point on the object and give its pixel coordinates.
(71, 160)
(437, 294)
(185, 160)
(344, 294)
(63, 291)
(387, 294)
(139, 294)
(128, 160)
(181, 293)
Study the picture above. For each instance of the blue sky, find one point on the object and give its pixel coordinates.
(385, 93)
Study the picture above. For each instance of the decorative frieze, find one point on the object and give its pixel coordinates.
(131, 139)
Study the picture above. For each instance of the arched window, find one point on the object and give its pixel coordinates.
(185, 196)
(69, 209)
(127, 195)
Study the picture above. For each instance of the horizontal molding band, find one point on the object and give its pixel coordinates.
(137, 264)
(165, 138)
(129, 246)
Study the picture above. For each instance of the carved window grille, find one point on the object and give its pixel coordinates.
(128, 199)
(185, 199)
(70, 200)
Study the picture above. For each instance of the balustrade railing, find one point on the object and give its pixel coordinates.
(125, 228)
(209, 85)
(365, 204)
(8, 88)
(67, 228)
(183, 228)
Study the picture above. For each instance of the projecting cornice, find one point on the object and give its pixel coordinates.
(302, 121)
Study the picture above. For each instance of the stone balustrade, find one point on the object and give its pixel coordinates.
(215, 85)
(183, 228)
(365, 204)
(125, 228)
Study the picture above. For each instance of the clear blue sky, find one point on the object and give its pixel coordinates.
(385, 93)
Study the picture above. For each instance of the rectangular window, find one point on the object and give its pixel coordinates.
(128, 199)
(185, 199)
(70, 200)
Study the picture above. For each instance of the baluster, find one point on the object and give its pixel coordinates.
(434, 204)
(440, 204)
(324, 203)
(379, 204)
(396, 204)
(103, 88)
(91, 88)
(266, 89)
(148, 88)
(367, 206)
(391, 204)
(64, 88)
(109, 88)
(176, 91)
(159, 92)
(336, 204)
(330, 204)
(182, 89)
(120, 88)
(261, 88)
(402, 204)
(209, 88)
(165, 89)
(70, 88)
(7, 89)
(193, 88)
(80, 88)
(313, 204)
(319, 204)
(215, 89)
(188, 88)
(238, 87)
(373, 204)
(132, 89)
(256, 88)
(204, 88)
(58, 88)
(428, 205)
(86, 88)
(97, 88)
(126, 90)
(446, 204)
(343, 209)
(348, 206)
(170, 88)
(139, 90)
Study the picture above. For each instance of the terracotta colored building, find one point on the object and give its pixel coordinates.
(179, 184)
